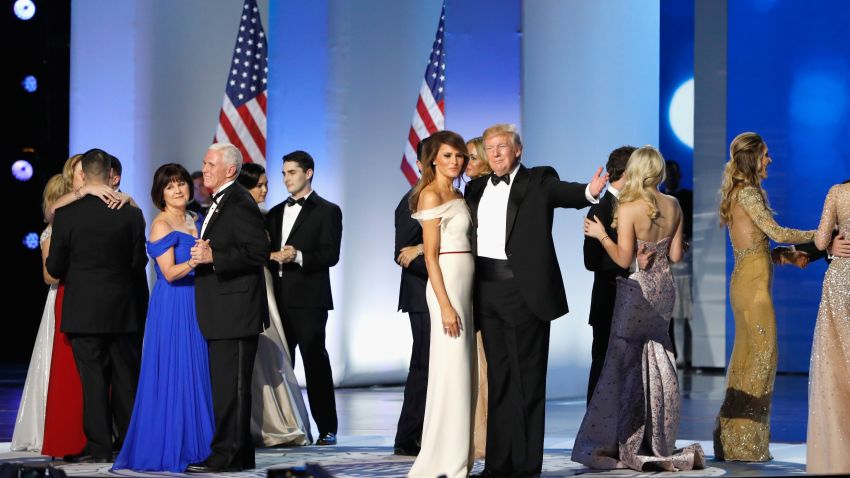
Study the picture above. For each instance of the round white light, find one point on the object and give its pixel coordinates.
(22, 170)
(24, 9)
(681, 114)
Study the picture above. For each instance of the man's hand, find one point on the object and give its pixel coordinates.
(644, 257)
(407, 255)
(840, 247)
(201, 252)
(597, 183)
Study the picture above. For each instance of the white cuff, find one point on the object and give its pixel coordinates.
(590, 198)
(299, 259)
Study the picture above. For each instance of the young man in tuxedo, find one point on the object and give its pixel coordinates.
(99, 253)
(411, 299)
(306, 233)
(230, 297)
(518, 292)
(605, 270)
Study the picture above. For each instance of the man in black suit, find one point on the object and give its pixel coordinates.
(230, 296)
(411, 299)
(306, 232)
(605, 270)
(99, 252)
(518, 292)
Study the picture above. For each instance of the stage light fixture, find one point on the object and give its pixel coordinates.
(31, 240)
(681, 113)
(30, 84)
(22, 170)
(24, 9)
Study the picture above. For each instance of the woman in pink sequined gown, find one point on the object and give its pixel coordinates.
(633, 416)
(829, 377)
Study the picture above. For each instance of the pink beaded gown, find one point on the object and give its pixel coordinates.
(633, 417)
(829, 376)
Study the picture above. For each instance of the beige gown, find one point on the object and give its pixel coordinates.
(742, 430)
(829, 377)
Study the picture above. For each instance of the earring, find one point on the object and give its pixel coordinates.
(433, 164)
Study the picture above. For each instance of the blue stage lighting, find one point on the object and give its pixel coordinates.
(30, 84)
(22, 170)
(31, 240)
(24, 9)
(681, 113)
(819, 97)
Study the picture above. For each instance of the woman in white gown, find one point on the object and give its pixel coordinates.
(278, 414)
(29, 425)
(447, 448)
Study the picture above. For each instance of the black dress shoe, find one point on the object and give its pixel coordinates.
(208, 468)
(86, 458)
(406, 450)
(326, 439)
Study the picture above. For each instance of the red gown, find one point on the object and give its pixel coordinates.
(63, 420)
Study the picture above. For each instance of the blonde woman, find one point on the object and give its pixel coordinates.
(633, 416)
(742, 430)
(446, 231)
(477, 165)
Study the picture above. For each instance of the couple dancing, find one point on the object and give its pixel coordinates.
(501, 236)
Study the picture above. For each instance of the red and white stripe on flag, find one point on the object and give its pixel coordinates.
(244, 127)
(429, 115)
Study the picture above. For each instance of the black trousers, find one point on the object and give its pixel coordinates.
(409, 431)
(516, 344)
(109, 371)
(305, 328)
(601, 334)
(231, 369)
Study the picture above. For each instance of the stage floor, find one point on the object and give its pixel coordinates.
(368, 417)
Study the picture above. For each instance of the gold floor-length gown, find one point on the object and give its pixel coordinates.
(829, 377)
(742, 430)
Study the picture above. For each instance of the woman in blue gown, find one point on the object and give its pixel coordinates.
(172, 422)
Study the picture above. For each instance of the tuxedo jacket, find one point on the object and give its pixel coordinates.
(317, 233)
(99, 253)
(535, 193)
(230, 293)
(605, 270)
(408, 232)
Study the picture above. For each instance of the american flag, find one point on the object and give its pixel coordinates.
(242, 120)
(428, 117)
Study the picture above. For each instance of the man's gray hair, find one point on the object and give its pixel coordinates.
(230, 154)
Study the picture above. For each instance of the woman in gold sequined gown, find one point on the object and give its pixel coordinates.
(742, 430)
(829, 376)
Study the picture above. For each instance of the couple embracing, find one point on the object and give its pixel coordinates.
(493, 252)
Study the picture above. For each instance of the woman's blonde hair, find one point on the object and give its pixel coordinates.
(744, 168)
(53, 190)
(68, 171)
(429, 155)
(644, 172)
(478, 144)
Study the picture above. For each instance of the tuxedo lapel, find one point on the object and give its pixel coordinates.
(515, 199)
(473, 200)
(218, 208)
(306, 209)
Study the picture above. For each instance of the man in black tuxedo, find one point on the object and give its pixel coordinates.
(605, 270)
(306, 232)
(99, 253)
(230, 296)
(411, 299)
(518, 292)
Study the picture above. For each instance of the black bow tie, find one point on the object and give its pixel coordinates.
(496, 179)
(217, 196)
(291, 201)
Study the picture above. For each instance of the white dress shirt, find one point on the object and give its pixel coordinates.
(493, 217)
(290, 214)
(614, 191)
(214, 205)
